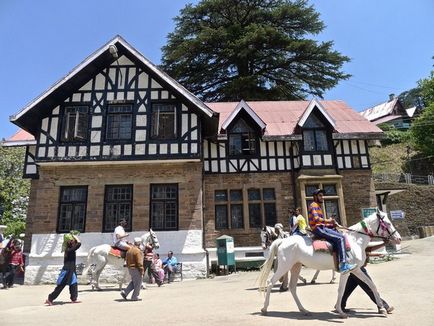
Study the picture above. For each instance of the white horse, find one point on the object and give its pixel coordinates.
(268, 235)
(98, 257)
(293, 252)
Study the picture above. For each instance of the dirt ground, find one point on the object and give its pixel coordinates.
(407, 283)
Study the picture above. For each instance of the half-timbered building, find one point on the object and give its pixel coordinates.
(118, 138)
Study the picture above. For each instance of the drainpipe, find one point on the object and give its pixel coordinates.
(294, 188)
(203, 221)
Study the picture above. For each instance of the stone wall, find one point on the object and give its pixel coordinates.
(281, 182)
(417, 203)
(359, 192)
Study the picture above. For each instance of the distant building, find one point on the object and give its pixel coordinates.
(390, 113)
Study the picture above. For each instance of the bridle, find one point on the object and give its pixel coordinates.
(268, 236)
(381, 225)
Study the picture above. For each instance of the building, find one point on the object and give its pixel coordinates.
(118, 138)
(391, 113)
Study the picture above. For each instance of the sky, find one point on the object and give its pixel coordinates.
(390, 43)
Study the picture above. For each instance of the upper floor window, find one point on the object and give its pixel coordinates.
(163, 121)
(119, 121)
(118, 204)
(75, 123)
(72, 209)
(242, 139)
(315, 135)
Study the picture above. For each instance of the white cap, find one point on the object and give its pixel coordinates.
(137, 240)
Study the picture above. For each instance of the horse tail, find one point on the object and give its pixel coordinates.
(266, 267)
(89, 258)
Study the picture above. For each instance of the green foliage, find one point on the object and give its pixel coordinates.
(251, 49)
(14, 190)
(394, 136)
(422, 131)
(427, 89)
(411, 98)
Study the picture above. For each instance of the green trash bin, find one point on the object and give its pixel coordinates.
(225, 252)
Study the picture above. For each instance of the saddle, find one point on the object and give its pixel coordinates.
(119, 253)
(325, 246)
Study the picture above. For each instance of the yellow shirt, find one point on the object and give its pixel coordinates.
(301, 224)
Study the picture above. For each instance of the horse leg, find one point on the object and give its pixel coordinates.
(342, 283)
(282, 268)
(284, 279)
(362, 276)
(295, 272)
(315, 277)
(332, 281)
(99, 266)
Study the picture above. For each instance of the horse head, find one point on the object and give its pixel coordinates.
(152, 239)
(268, 235)
(380, 225)
(264, 238)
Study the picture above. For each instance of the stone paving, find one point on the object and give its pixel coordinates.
(407, 283)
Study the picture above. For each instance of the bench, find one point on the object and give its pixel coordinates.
(177, 275)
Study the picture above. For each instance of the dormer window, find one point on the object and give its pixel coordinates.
(163, 121)
(315, 135)
(242, 139)
(75, 124)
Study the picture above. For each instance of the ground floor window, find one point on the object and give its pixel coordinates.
(164, 207)
(231, 205)
(72, 209)
(333, 206)
(118, 204)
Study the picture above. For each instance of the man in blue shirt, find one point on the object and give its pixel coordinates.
(169, 265)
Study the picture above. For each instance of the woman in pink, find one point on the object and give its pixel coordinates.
(158, 265)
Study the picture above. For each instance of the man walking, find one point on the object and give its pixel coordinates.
(135, 268)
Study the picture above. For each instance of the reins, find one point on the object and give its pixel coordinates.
(369, 232)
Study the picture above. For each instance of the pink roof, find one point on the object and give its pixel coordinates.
(282, 117)
(21, 135)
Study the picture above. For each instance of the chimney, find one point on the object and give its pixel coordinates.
(391, 97)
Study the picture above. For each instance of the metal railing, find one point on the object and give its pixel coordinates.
(404, 178)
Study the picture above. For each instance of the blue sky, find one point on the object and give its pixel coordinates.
(390, 42)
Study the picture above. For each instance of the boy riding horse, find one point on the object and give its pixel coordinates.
(325, 228)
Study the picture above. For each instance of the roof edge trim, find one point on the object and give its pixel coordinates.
(314, 103)
(243, 105)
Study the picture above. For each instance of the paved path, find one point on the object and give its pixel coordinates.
(407, 283)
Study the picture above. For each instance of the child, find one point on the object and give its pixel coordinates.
(16, 262)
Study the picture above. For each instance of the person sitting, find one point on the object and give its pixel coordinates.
(119, 236)
(169, 265)
(158, 265)
(298, 224)
(325, 228)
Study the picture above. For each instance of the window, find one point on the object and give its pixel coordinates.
(164, 207)
(119, 122)
(242, 139)
(118, 204)
(221, 209)
(163, 121)
(75, 124)
(332, 198)
(314, 135)
(72, 209)
(261, 207)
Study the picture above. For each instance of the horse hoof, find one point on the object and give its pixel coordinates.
(343, 315)
(307, 313)
(282, 289)
(264, 311)
(312, 282)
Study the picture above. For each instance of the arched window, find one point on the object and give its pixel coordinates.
(242, 139)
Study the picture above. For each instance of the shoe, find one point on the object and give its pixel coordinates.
(390, 309)
(48, 302)
(346, 268)
(123, 295)
(75, 301)
(136, 299)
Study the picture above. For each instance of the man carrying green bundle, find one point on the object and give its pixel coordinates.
(68, 275)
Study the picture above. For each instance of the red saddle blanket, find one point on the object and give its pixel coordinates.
(117, 252)
(325, 246)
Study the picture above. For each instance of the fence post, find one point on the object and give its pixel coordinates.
(407, 177)
(430, 179)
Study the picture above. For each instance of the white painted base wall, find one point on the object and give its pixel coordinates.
(46, 258)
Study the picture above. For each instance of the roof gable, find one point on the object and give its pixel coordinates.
(312, 105)
(242, 105)
(101, 58)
